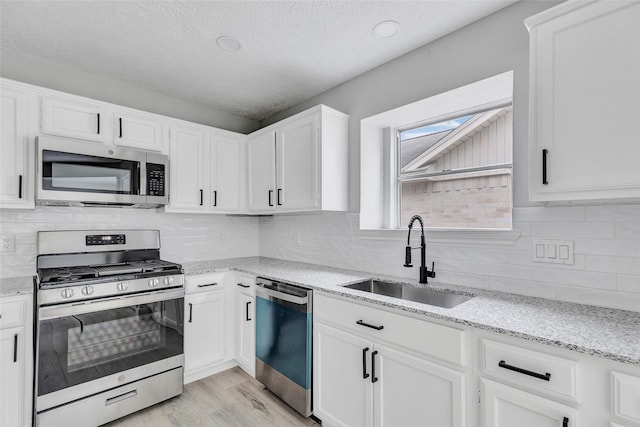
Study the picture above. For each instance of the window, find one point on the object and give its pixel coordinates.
(457, 173)
(447, 158)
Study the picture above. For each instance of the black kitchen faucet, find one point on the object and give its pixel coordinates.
(424, 273)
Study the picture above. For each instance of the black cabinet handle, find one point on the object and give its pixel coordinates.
(190, 313)
(215, 197)
(242, 285)
(247, 318)
(201, 197)
(278, 196)
(545, 377)
(364, 362)
(15, 348)
(377, 328)
(544, 167)
(98, 115)
(208, 284)
(373, 367)
(270, 194)
(565, 422)
(120, 123)
(19, 186)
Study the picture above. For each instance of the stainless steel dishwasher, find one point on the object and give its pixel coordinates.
(283, 341)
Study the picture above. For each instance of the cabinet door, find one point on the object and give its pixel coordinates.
(75, 120)
(204, 330)
(225, 173)
(138, 132)
(14, 151)
(297, 162)
(342, 396)
(410, 391)
(12, 374)
(187, 171)
(586, 102)
(262, 174)
(246, 338)
(504, 406)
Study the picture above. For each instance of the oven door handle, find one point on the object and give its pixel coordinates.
(281, 296)
(63, 310)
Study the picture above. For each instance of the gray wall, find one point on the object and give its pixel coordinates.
(495, 44)
(48, 74)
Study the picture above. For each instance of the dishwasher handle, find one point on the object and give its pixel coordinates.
(282, 296)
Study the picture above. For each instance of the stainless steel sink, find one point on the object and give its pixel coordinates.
(411, 293)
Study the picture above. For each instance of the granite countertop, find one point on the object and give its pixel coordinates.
(16, 286)
(609, 333)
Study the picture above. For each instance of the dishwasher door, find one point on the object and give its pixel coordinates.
(283, 342)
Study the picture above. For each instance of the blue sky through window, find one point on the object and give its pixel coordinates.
(434, 128)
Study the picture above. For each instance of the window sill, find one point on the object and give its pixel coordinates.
(448, 236)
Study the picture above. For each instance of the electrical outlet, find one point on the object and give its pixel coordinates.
(553, 251)
(7, 244)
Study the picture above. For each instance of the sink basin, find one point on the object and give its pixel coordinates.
(442, 299)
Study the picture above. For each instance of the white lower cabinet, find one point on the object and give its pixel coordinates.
(15, 361)
(505, 406)
(364, 380)
(205, 323)
(245, 322)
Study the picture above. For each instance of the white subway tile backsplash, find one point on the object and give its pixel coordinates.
(606, 213)
(613, 264)
(548, 214)
(523, 287)
(629, 284)
(562, 276)
(617, 299)
(573, 230)
(628, 230)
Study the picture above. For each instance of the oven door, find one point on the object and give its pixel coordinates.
(89, 173)
(85, 348)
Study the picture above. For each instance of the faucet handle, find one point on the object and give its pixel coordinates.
(432, 273)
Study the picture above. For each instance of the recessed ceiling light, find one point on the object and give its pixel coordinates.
(228, 43)
(386, 29)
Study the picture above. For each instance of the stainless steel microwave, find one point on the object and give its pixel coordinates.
(77, 173)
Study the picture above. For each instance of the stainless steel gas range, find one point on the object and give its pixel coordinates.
(109, 334)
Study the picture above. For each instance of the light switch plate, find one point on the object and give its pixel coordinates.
(553, 251)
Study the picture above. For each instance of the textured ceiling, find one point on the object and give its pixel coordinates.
(292, 50)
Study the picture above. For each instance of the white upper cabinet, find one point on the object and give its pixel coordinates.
(76, 119)
(585, 101)
(225, 171)
(262, 171)
(206, 167)
(138, 131)
(187, 172)
(300, 163)
(16, 150)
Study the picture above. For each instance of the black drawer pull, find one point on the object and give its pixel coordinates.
(19, 186)
(565, 422)
(215, 197)
(545, 377)
(544, 167)
(364, 362)
(201, 197)
(242, 285)
(270, 194)
(377, 328)
(208, 284)
(278, 196)
(190, 312)
(98, 115)
(15, 348)
(247, 318)
(373, 367)
(120, 123)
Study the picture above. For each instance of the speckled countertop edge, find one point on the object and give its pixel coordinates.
(575, 327)
(16, 286)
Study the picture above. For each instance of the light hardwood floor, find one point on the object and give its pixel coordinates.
(228, 399)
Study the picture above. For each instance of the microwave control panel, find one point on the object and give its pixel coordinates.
(155, 179)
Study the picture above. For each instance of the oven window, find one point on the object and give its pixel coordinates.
(79, 348)
(79, 172)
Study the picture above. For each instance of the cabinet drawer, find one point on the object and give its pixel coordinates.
(246, 284)
(531, 369)
(12, 313)
(204, 282)
(442, 342)
(626, 396)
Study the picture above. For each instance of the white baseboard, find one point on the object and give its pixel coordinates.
(209, 370)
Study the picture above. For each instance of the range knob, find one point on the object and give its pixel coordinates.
(154, 282)
(122, 286)
(66, 293)
(167, 280)
(87, 290)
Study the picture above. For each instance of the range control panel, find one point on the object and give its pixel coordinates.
(105, 239)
